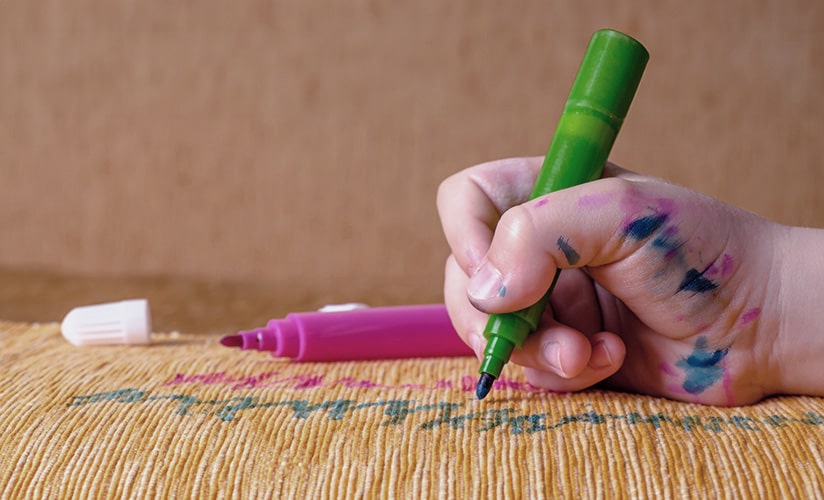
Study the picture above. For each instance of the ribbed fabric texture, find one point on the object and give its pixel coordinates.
(186, 417)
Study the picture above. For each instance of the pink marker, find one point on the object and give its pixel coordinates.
(362, 333)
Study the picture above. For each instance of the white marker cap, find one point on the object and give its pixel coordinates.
(349, 306)
(127, 322)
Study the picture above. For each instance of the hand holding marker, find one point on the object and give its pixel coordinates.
(594, 111)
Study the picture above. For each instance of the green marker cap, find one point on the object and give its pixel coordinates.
(609, 75)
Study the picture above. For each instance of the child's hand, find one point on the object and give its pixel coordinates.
(664, 291)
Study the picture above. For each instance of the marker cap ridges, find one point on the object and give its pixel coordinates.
(127, 322)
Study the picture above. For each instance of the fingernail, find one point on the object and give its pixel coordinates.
(552, 354)
(600, 356)
(486, 283)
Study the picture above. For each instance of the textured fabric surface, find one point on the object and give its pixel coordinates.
(188, 417)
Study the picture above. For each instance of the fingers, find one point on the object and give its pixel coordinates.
(641, 258)
(558, 357)
(467, 320)
(474, 208)
(575, 302)
(565, 361)
(596, 224)
(505, 258)
(471, 202)
(569, 351)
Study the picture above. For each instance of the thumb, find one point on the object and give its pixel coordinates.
(596, 224)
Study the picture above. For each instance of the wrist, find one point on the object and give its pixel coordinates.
(799, 343)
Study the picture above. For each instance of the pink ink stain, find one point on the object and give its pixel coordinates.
(750, 315)
(723, 267)
(542, 202)
(668, 369)
(595, 200)
(665, 205)
(727, 381)
(727, 265)
(637, 203)
(676, 389)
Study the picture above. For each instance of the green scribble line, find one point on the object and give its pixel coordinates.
(443, 414)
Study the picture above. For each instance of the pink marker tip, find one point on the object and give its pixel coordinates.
(232, 341)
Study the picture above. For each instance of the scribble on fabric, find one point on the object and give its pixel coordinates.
(443, 415)
(313, 380)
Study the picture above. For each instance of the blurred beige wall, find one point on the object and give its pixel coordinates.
(301, 143)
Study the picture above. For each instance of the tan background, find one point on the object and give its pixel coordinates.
(301, 143)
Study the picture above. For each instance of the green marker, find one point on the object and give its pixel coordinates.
(594, 111)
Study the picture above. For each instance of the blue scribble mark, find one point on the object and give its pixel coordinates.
(446, 415)
(702, 367)
(569, 253)
(695, 281)
(502, 291)
(667, 242)
(644, 227)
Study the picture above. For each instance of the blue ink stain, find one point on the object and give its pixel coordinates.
(644, 227)
(694, 281)
(569, 253)
(701, 367)
(502, 291)
(667, 244)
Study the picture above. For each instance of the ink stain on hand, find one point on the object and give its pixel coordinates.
(668, 242)
(569, 253)
(750, 315)
(695, 281)
(702, 367)
(644, 227)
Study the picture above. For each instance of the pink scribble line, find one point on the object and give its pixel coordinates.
(314, 380)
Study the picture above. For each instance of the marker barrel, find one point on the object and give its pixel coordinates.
(598, 102)
(420, 331)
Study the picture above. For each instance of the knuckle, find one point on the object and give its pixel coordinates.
(517, 224)
(444, 192)
(621, 187)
